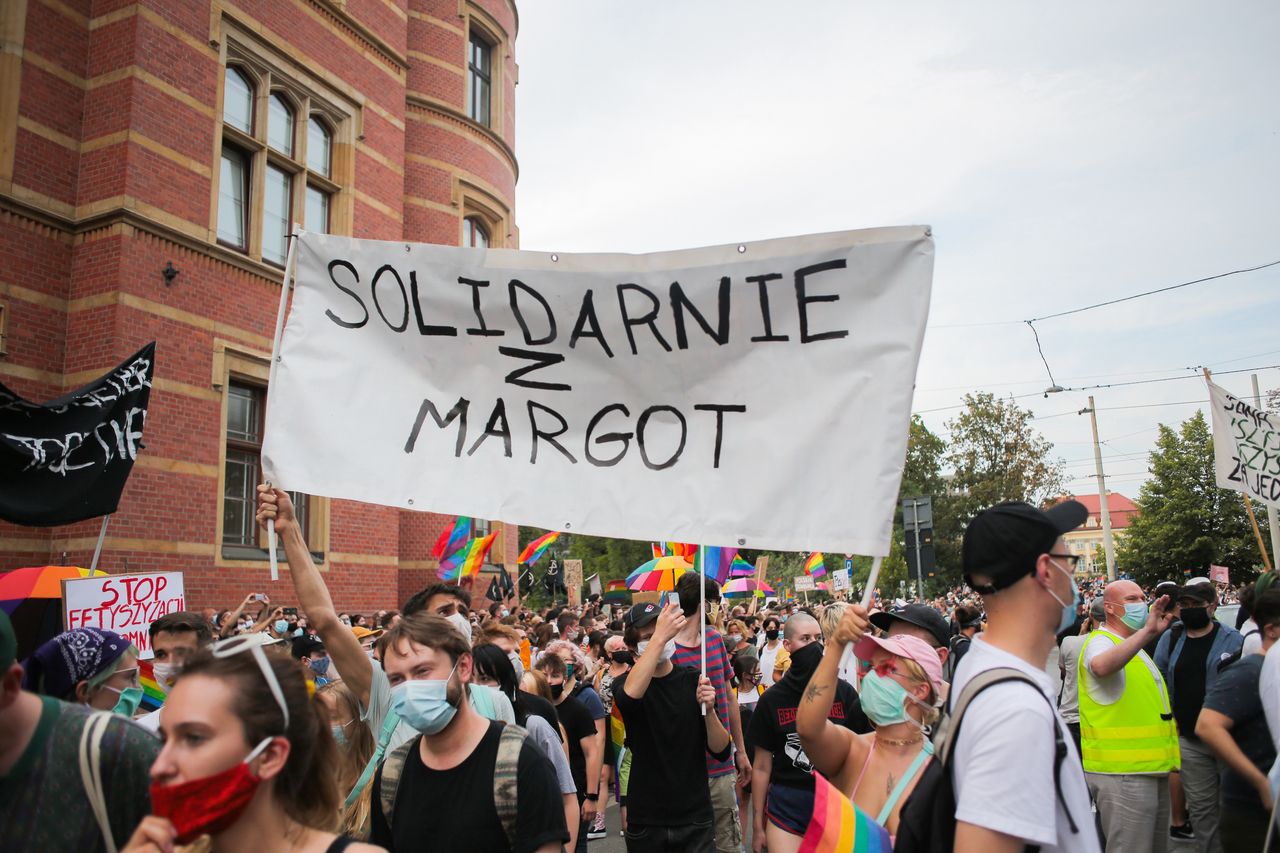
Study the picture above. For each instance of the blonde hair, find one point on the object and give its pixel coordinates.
(831, 616)
(929, 709)
(352, 760)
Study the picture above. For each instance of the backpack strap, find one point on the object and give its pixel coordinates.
(389, 724)
(505, 776)
(392, 769)
(91, 774)
(948, 735)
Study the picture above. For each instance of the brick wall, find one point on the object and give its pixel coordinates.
(113, 174)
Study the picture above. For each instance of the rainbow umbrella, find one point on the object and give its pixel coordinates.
(659, 564)
(33, 599)
(659, 579)
(741, 587)
(822, 586)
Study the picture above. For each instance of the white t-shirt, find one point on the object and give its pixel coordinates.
(1069, 657)
(1252, 638)
(486, 701)
(1104, 691)
(1269, 688)
(767, 658)
(1004, 759)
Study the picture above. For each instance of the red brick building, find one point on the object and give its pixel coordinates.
(152, 157)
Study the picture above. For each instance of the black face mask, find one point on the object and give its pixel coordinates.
(805, 661)
(624, 658)
(1195, 618)
(556, 690)
(771, 634)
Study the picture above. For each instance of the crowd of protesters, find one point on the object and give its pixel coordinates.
(441, 726)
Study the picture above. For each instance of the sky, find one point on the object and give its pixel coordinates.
(1063, 154)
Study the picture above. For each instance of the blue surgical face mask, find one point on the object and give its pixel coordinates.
(1135, 615)
(424, 703)
(568, 671)
(883, 699)
(320, 666)
(1068, 617)
(339, 735)
(128, 702)
(281, 626)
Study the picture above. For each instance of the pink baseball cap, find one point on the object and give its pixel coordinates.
(905, 646)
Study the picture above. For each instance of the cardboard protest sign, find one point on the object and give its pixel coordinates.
(840, 580)
(68, 459)
(126, 604)
(805, 583)
(754, 395)
(573, 580)
(1246, 447)
(1219, 574)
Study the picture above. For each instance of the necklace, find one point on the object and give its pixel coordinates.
(904, 742)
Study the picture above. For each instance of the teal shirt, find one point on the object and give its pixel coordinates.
(43, 806)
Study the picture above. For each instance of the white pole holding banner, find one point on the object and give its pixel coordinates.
(702, 611)
(876, 562)
(97, 549)
(271, 375)
(1273, 516)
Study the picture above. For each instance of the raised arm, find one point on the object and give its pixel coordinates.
(349, 658)
(826, 744)
(231, 621)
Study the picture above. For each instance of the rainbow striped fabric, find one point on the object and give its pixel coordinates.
(740, 568)
(474, 555)
(717, 562)
(815, 565)
(838, 826)
(453, 537)
(152, 695)
(533, 552)
(617, 732)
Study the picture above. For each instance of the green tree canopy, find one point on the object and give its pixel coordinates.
(1186, 522)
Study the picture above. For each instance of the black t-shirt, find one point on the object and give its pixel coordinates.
(534, 705)
(577, 724)
(1236, 695)
(667, 737)
(1189, 680)
(773, 728)
(450, 810)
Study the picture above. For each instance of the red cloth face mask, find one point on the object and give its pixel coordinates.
(209, 805)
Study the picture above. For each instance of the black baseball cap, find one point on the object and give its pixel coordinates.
(1197, 592)
(920, 615)
(304, 646)
(1003, 542)
(642, 614)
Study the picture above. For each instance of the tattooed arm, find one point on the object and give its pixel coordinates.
(829, 746)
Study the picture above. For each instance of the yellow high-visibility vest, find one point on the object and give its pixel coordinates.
(1134, 734)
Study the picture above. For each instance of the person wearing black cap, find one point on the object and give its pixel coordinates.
(44, 805)
(917, 620)
(1188, 655)
(668, 736)
(311, 657)
(1011, 789)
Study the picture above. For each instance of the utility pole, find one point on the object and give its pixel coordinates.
(1273, 517)
(1108, 543)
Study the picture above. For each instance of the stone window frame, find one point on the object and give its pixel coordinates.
(481, 23)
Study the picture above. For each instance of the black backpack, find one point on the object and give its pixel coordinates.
(927, 823)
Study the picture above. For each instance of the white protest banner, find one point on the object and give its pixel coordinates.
(126, 604)
(840, 579)
(804, 583)
(750, 395)
(1246, 447)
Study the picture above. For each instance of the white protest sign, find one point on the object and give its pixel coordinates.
(753, 395)
(804, 583)
(1246, 447)
(840, 580)
(126, 604)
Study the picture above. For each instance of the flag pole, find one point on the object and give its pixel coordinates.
(1257, 533)
(702, 610)
(97, 549)
(290, 261)
(847, 657)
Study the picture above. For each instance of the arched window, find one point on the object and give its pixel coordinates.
(474, 234)
(318, 147)
(237, 100)
(280, 125)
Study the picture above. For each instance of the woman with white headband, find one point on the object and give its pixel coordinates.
(248, 761)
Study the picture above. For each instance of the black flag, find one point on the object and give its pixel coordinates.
(68, 459)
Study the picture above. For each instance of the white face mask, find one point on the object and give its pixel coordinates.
(667, 651)
(517, 665)
(164, 673)
(462, 624)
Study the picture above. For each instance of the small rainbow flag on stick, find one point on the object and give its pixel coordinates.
(469, 559)
(815, 565)
(533, 552)
(740, 568)
(718, 561)
(152, 694)
(838, 826)
(453, 537)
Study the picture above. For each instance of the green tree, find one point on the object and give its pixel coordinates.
(923, 475)
(1186, 522)
(998, 456)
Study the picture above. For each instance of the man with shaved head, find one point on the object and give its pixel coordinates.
(1128, 739)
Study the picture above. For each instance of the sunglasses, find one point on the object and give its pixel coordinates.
(887, 667)
(252, 644)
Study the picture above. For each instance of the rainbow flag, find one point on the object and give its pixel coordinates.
(533, 552)
(152, 694)
(468, 560)
(617, 732)
(718, 561)
(453, 537)
(838, 826)
(740, 568)
(658, 551)
(815, 565)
